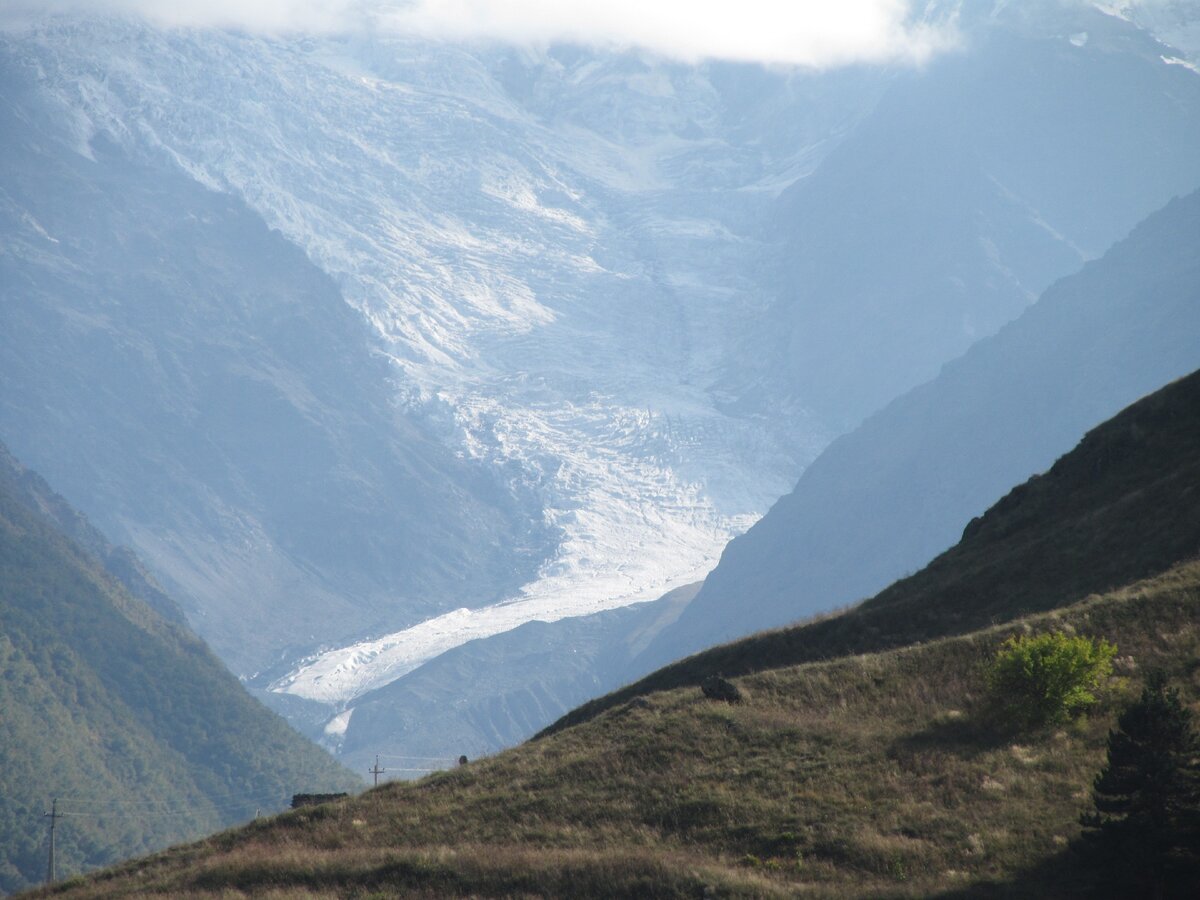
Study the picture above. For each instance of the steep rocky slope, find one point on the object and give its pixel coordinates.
(204, 394)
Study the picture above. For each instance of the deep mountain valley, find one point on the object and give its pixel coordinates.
(406, 395)
(419, 343)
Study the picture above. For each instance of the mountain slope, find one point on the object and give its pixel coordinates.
(866, 775)
(931, 203)
(885, 498)
(195, 385)
(121, 563)
(862, 777)
(125, 716)
(1124, 504)
(971, 187)
(513, 407)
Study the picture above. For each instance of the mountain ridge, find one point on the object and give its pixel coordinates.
(885, 498)
(1123, 505)
(941, 218)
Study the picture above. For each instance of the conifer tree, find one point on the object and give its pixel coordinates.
(1145, 831)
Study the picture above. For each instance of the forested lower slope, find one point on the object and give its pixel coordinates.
(127, 718)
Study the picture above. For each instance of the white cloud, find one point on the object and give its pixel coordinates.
(811, 32)
(799, 32)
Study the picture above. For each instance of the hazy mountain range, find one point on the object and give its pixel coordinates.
(887, 497)
(373, 346)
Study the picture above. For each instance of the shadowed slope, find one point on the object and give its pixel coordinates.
(1124, 504)
(881, 501)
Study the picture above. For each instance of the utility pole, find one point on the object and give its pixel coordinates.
(54, 815)
(376, 771)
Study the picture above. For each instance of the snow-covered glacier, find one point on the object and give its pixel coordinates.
(570, 314)
(384, 352)
(557, 251)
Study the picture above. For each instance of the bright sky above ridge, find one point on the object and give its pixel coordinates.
(800, 32)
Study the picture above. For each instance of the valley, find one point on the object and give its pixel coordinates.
(478, 396)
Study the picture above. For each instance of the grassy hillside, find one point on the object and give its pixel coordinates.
(125, 716)
(865, 775)
(862, 775)
(31, 490)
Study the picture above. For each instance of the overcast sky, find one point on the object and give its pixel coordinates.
(804, 32)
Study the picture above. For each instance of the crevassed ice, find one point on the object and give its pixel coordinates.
(557, 279)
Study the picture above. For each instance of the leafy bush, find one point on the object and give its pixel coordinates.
(1048, 678)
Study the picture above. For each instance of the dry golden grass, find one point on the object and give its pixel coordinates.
(877, 775)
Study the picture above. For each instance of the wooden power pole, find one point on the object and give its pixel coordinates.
(376, 771)
(54, 815)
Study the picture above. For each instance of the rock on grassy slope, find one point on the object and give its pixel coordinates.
(851, 776)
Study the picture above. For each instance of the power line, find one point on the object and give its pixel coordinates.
(424, 758)
(154, 809)
(54, 815)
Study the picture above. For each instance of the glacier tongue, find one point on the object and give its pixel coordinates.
(559, 277)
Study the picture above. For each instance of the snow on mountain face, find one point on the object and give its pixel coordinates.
(1174, 22)
(553, 250)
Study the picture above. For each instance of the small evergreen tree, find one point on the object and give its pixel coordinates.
(1145, 831)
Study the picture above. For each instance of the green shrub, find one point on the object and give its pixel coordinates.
(1048, 678)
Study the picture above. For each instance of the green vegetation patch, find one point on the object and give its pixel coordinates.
(126, 718)
(1048, 678)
